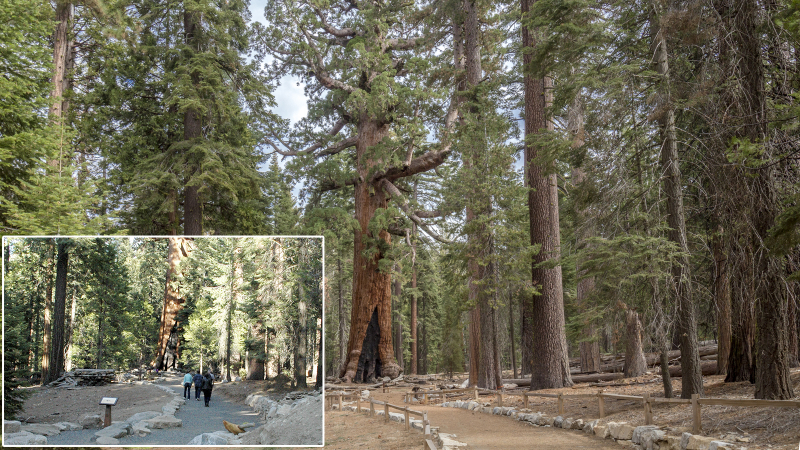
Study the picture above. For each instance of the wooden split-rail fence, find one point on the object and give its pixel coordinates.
(407, 412)
(647, 401)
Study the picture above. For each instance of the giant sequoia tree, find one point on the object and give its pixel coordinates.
(367, 86)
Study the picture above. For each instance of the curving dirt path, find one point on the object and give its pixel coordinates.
(486, 431)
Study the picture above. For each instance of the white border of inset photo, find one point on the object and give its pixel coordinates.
(321, 365)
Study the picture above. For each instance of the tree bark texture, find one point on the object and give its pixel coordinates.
(550, 364)
(398, 341)
(722, 297)
(301, 329)
(589, 347)
(192, 130)
(342, 344)
(48, 308)
(179, 248)
(635, 364)
(772, 347)
(59, 310)
(741, 360)
(692, 381)
(371, 316)
(413, 325)
(62, 55)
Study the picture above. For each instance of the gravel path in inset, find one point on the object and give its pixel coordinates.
(197, 419)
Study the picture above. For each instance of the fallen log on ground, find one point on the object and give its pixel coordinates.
(708, 368)
(654, 359)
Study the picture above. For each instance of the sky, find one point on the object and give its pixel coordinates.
(289, 96)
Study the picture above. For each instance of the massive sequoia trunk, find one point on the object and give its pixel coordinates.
(692, 381)
(369, 348)
(550, 366)
(168, 333)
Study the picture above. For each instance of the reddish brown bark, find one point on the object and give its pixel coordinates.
(371, 316)
(414, 354)
(59, 309)
(168, 334)
(48, 307)
(550, 366)
(62, 56)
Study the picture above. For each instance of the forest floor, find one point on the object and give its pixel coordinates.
(51, 404)
(759, 428)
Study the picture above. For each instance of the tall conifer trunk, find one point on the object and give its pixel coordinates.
(369, 351)
(545, 317)
(722, 298)
(692, 379)
(192, 130)
(168, 334)
(48, 308)
(59, 309)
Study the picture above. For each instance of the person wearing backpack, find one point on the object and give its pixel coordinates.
(198, 385)
(208, 385)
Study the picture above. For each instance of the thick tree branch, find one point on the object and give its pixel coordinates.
(332, 185)
(332, 150)
(392, 190)
(428, 214)
(320, 73)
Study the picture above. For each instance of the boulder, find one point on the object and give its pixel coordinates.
(602, 431)
(620, 430)
(577, 424)
(116, 430)
(107, 440)
(695, 442)
(284, 410)
(91, 421)
(164, 422)
(138, 417)
(23, 438)
(588, 427)
(638, 431)
(719, 445)
(208, 439)
(68, 426)
(11, 426)
(567, 423)
(44, 429)
(140, 429)
(558, 421)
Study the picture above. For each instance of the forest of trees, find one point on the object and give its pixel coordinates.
(246, 307)
(501, 185)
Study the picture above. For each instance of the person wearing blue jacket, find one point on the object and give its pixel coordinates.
(187, 386)
(198, 385)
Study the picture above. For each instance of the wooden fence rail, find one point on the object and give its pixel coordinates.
(426, 425)
(647, 401)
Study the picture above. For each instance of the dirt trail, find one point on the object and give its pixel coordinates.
(486, 431)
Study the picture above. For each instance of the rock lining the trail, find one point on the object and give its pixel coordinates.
(295, 420)
(649, 437)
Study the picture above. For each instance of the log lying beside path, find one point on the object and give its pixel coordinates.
(84, 377)
(708, 367)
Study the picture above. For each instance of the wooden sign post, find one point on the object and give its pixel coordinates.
(108, 402)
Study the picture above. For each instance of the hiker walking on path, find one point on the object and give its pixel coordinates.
(198, 385)
(208, 385)
(187, 386)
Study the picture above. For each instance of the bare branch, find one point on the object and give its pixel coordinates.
(332, 185)
(392, 190)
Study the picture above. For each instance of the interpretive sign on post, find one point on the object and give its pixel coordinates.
(108, 402)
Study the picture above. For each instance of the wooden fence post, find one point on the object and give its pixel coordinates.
(426, 426)
(525, 400)
(696, 420)
(499, 398)
(476, 394)
(405, 413)
(386, 410)
(648, 410)
(384, 387)
(601, 404)
(358, 404)
(340, 402)
(371, 407)
(560, 404)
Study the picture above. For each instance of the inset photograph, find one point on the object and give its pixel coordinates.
(153, 341)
